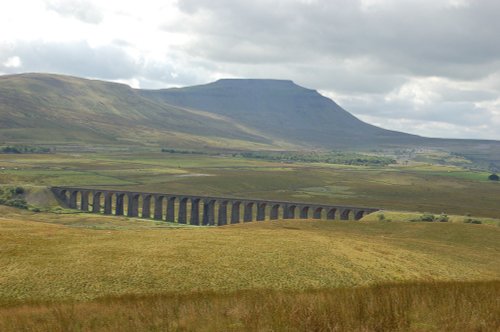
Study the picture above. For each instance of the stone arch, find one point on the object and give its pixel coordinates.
(158, 207)
(133, 205)
(359, 214)
(108, 202)
(235, 212)
(72, 202)
(63, 195)
(331, 213)
(344, 214)
(209, 212)
(146, 206)
(79, 199)
(289, 212)
(171, 202)
(261, 211)
(195, 211)
(304, 212)
(60, 195)
(317, 212)
(182, 216)
(248, 212)
(222, 213)
(119, 203)
(96, 201)
(275, 211)
(84, 202)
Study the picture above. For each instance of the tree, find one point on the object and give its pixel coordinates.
(494, 177)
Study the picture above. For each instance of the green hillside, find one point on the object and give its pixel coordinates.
(45, 108)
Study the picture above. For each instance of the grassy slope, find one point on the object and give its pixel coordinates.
(51, 109)
(52, 262)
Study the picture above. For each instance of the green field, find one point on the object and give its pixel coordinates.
(63, 270)
(420, 187)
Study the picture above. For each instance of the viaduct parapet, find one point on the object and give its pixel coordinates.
(198, 210)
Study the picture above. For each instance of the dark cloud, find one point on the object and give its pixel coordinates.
(369, 56)
(414, 37)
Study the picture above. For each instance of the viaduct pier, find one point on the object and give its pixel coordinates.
(198, 210)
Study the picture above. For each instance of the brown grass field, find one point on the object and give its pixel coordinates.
(424, 306)
(83, 272)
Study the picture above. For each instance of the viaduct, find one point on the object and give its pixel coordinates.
(198, 210)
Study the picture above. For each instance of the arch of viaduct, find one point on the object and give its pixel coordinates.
(198, 210)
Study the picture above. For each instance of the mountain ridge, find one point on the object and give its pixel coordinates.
(315, 119)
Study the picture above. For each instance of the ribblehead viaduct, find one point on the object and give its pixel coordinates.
(198, 210)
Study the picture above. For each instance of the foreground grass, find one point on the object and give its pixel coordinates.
(59, 262)
(428, 306)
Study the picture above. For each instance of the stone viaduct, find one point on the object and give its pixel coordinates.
(196, 210)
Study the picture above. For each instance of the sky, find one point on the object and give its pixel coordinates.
(427, 67)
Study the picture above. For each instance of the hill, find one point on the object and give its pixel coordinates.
(229, 113)
(49, 109)
(283, 109)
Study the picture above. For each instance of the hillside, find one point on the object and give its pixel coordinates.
(229, 113)
(102, 273)
(284, 110)
(45, 108)
(83, 256)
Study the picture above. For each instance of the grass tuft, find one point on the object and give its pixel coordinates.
(424, 306)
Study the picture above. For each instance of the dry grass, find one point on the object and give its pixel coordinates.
(450, 306)
(96, 273)
(52, 262)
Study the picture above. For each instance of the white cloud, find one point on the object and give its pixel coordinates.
(13, 62)
(86, 11)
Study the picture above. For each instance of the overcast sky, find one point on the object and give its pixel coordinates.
(428, 67)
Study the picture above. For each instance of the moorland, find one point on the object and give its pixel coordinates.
(67, 270)
(427, 261)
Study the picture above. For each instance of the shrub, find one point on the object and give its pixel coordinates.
(17, 202)
(472, 221)
(442, 218)
(427, 217)
(430, 218)
(494, 177)
(381, 217)
(13, 196)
